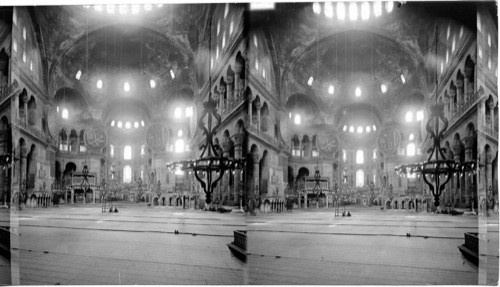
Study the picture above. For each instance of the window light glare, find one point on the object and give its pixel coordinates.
(411, 137)
(24, 33)
(377, 8)
(31, 65)
(453, 45)
(126, 87)
(340, 11)
(409, 117)
(360, 130)
(136, 8)
(368, 129)
(351, 129)
(328, 9)
(255, 41)
(57, 109)
(344, 128)
(179, 133)
(310, 81)
(99, 84)
(136, 125)
(390, 6)
(297, 119)
(383, 88)
(142, 123)
(113, 123)
(331, 89)
(110, 9)
(78, 74)
(152, 83)
(14, 46)
(65, 114)
(374, 127)
(177, 112)
(128, 125)
(189, 112)
(353, 11)
(357, 92)
(148, 7)
(172, 74)
(24, 56)
(98, 8)
(119, 125)
(461, 32)
(290, 115)
(403, 79)
(365, 11)
(316, 8)
(420, 115)
(231, 27)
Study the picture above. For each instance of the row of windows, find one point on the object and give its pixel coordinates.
(179, 147)
(360, 156)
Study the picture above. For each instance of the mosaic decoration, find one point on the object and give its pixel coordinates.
(95, 137)
(389, 140)
(157, 136)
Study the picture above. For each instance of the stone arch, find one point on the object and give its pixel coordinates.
(256, 104)
(306, 146)
(73, 141)
(302, 174)
(395, 204)
(388, 204)
(290, 176)
(68, 172)
(4, 68)
(265, 121)
(239, 67)
(32, 118)
(23, 98)
(469, 75)
(240, 127)
(453, 95)
(31, 161)
(264, 172)
(411, 204)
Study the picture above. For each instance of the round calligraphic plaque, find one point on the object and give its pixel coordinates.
(95, 137)
(157, 136)
(389, 140)
(328, 142)
(53, 123)
(286, 131)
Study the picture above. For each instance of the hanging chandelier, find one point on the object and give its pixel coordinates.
(438, 170)
(211, 166)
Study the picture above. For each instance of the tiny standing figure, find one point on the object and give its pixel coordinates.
(343, 214)
(348, 214)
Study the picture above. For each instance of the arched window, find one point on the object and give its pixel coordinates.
(344, 155)
(411, 137)
(374, 154)
(297, 119)
(178, 112)
(112, 151)
(179, 133)
(143, 151)
(179, 146)
(360, 159)
(360, 178)
(127, 152)
(410, 149)
(127, 174)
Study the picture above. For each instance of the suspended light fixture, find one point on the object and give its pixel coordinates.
(353, 11)
(209, 168)
(437, 171)
(340, 11)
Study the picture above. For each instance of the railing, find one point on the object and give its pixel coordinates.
(6, 91)
(457, 113)
(5, 241)
(489, 129)
(265, 136)
(30, 129)
(471, 241)
(229, 106)
(240, 239)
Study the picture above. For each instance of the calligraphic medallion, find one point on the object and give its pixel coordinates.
(286, 131)
(95, 137)
(157, 136)
(53, 123)
(328, 142)
(389, 140)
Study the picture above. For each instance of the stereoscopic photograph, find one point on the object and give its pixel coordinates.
(249, 143)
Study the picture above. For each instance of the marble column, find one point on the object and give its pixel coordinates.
(469, 144)
(230, 89)
(258, 106)
(223, 103)
(238, 154)
(457, 151)
(250, 100)
(237, 81)
(454, 107)
(22, 166)
(25, 107)
(460, 93)
(255, 170)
